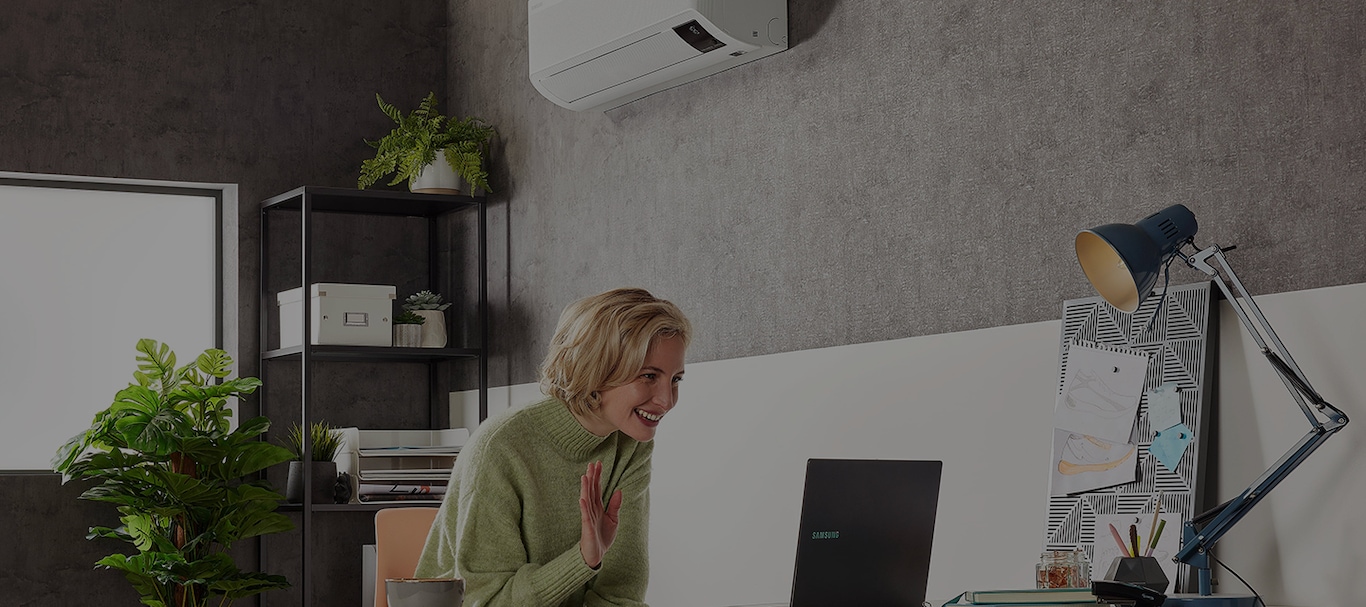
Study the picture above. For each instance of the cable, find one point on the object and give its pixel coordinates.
(1167, 270)
(1240, 578)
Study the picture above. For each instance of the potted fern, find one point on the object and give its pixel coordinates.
(165, 455)
(324, 443)
(411, 150)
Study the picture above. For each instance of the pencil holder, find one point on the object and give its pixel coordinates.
(1143, 571)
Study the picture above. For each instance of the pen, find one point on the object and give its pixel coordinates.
(1119, 540)
(1152, 543)
(1133, 538)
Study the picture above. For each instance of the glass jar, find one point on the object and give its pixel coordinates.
(1062, 569)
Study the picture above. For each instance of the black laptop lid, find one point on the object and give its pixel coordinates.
(866, 532)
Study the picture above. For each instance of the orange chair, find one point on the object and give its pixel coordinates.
(400, 534)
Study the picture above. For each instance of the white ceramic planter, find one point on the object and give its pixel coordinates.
(434, 329)
(437, 178)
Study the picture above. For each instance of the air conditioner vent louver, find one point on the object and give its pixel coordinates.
(620, 66)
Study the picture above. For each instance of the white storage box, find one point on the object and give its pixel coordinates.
(342, 315)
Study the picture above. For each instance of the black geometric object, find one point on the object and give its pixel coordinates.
(1142, 571)
(1124, 594)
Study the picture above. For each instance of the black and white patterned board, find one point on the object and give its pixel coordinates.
(1179, 344)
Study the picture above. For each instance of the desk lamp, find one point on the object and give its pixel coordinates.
(1122, 262)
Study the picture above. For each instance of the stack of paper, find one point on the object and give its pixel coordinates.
(400, 465)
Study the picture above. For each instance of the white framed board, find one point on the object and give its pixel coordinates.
(89, 267)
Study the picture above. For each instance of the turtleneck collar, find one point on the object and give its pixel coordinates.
(552, 416)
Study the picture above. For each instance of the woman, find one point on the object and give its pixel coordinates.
(548, 505)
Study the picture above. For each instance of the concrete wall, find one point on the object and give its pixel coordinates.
(266, 95)
(913, 168)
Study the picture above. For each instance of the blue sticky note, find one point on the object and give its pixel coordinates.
(1170, 444)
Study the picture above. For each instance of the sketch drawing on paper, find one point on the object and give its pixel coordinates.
(1082, 453)
(1084, 463)
(1100, 392)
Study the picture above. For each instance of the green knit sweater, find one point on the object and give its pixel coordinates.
(510, 522)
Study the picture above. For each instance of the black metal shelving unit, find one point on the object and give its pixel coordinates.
(307, 202)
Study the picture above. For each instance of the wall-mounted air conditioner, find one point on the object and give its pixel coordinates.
(599, 54)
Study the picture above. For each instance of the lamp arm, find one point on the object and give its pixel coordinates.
(1205, 530)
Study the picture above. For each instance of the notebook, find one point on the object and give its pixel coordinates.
(866, 531)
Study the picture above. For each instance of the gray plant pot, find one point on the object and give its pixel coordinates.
(323, 477)
(408, 336)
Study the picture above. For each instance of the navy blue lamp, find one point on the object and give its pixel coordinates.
(1122, 262)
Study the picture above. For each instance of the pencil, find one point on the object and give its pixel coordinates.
(1119, 540)
(1152, 543)
(1152, 531)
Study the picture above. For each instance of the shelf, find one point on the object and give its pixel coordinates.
(396, 214)
(372, 353)
(371, 202)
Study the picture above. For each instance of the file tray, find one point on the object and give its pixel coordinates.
(400, 443)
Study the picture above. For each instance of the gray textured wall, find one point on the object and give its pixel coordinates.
(267, 95)
(905, 168)
(910, 168)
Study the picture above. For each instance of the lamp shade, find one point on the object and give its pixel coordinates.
(1123, 261)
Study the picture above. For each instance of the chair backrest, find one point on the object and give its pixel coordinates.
(400, 534)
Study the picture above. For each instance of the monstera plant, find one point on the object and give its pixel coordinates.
(165, 455)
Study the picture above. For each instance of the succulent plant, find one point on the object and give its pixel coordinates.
(424, 300)
(409, 317)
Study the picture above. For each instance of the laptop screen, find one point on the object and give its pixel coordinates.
(866, 531)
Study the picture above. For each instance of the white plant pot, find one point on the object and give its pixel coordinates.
(417, 592)
(437, 178)
(434, 329)
(408, 336)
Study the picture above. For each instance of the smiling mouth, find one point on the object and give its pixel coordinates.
(649, 416)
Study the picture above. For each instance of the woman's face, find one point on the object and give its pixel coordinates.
(636, 408)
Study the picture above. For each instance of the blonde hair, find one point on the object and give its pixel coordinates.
(601, 342)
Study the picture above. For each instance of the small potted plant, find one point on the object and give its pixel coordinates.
(324, 444)
(410, 151)
(408, 329)
(428, 305)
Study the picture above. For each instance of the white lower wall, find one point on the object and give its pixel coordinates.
(730, 459)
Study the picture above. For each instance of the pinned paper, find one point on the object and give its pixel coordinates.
(1100, 392)
(1084, 463)
(1164, 406)
(1170, 444)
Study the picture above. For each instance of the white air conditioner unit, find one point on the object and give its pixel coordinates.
(599, 54)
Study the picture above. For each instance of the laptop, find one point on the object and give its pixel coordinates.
(866, 531)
